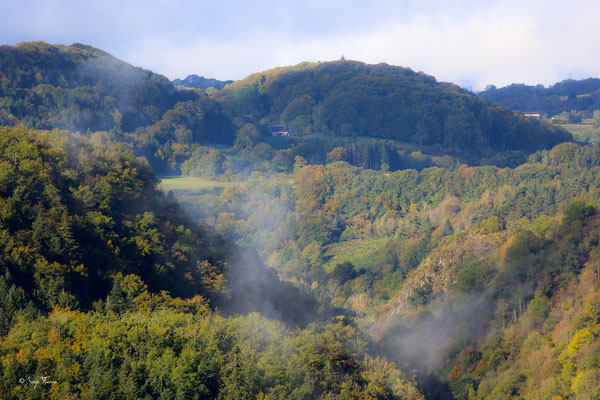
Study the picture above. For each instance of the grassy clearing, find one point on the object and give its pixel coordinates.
(584, 133)
(201, 194)
(577, 128)
(190, 184)
(361, 253)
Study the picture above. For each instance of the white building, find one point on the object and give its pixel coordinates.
(279, 130)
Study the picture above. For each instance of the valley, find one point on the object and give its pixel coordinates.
(408, 240)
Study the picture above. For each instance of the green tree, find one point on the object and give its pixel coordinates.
(539, 306)
(236, 384)
(116, 299)
(448, 228)
(491, 224)
(592, 307)
(577, 211)
(421, 295)
(474, 275)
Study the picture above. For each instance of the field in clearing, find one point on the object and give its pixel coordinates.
(191, 184)
(361, 253)
(199, 194)
(583, 133)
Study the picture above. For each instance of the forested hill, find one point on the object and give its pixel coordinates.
(200, 82)
(107, 287)
(77, 219)
(376, 114)
(568, 95)
(80, 88)
(348, 98)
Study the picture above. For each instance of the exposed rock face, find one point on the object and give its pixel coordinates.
(438, 270)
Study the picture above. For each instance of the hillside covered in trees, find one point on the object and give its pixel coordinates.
(83, 89)
(379, 115)
(108, 289)
(200, 82)
(459, 272)
(347, 98)
(409, 240)
(566, 96)
(75, 216)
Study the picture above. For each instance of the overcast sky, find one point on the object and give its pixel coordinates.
(471, 43)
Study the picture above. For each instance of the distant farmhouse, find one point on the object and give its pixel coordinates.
(280, 130)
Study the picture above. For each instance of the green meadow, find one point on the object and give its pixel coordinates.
(584, 133)
(189, 185)
(361, 253)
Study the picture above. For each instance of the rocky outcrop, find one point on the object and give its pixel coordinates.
(439, 271)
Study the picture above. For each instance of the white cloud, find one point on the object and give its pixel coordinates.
(467, 42)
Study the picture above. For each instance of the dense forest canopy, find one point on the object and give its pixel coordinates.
(369, 255)
(75, 216)
(105, 282)
(568, 95)
(200, 82)
(83, 89)
(379, 114)
(348, 98)
(445, 266)
(80, 88)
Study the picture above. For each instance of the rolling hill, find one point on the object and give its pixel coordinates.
(350, 99)
(568, 95)
(200, 82)
(83, 89)
(376, 113)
